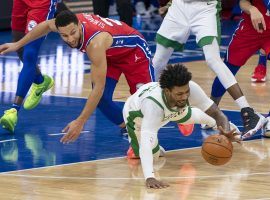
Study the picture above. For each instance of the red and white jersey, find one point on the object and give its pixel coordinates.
(259, 4)
(125, 38)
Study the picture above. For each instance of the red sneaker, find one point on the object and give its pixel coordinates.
(259, 74)
(186, 129)
(131, 154)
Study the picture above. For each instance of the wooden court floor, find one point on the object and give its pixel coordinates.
(246, 176)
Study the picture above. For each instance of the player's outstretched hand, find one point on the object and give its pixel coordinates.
(72, 130)
(8, 47)
(257, 20)
(155, 184)
(232, 135)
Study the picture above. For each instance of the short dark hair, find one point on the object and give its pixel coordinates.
(65, 18)
(174, 75)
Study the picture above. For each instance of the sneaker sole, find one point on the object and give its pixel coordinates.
(258, 80)
(7, 125)
(261, 123)
(266, 134)
(35, 105)
(265, 130)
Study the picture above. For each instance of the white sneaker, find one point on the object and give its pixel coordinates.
(237, 133)
(205, 127)
(233, 126)
(266, 128)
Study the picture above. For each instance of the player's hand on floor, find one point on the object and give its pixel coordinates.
(72, 130)
(257, 20)
(8, 47)
(155, 184)
(232, 135)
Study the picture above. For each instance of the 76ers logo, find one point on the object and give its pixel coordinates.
(31, 25)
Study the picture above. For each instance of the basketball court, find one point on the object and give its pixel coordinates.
(35, 165)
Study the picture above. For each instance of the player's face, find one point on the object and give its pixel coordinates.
(71, 34)
(178, 95)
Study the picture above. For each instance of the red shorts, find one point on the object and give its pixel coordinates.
(245, 42)
(26, 14)
(135, 66)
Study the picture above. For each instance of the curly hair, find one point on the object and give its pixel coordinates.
(174, 75)
(65, 18)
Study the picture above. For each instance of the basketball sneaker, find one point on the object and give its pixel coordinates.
(259, 74)
(186, 129)
(266, 128)
(131, 154)
(36, 92)
(252, 122)
(9, 120)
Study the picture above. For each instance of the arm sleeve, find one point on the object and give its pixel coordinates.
(200, 117)
(151, 122)
(198, 98)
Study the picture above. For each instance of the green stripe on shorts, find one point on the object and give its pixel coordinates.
(169, 43)
(209, 39)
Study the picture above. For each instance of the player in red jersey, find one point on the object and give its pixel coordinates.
(252, 34)
(26, 14)
(113, 48)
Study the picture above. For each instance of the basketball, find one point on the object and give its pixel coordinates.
(217, 149)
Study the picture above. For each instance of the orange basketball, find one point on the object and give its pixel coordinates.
(217, 149)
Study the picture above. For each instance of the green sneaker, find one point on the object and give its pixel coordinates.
(36, 92)
(9, 120)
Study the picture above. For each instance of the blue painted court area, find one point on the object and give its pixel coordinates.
(36, 139)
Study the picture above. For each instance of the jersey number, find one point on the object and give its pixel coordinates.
(110, 22)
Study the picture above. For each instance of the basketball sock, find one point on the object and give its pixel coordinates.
(106, 105)
(27, 75)
(38, 79)
(161, 59)
(262, 60)
(242, 102)
(16, 106)
(217, 88)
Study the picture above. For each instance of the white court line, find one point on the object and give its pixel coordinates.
(137, 178)
(53, 134)
(11, 140)
(260, 199)
(168, 127)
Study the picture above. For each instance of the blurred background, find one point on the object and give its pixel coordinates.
(139, 8)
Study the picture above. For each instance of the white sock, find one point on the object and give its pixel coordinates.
(242, 102)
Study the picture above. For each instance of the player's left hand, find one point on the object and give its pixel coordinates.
(8, 47)
(72, 130)
(232, 135)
